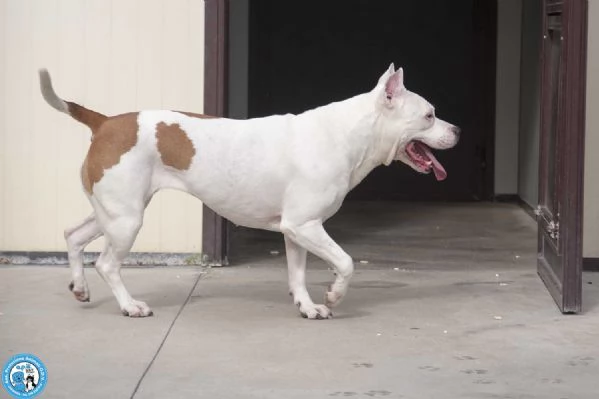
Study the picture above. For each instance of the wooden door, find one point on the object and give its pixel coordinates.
(559, 212)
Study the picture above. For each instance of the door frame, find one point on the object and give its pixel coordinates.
(216, 18)
(566, 288)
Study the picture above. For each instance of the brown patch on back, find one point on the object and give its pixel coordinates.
(174, 146)
(115, 137)
(193, 115)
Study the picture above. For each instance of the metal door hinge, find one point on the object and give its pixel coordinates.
(551, 226)
(552, 229)
(538, 211)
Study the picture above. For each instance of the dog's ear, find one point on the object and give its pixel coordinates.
(386, 74)
(394, 86)
(391, 69)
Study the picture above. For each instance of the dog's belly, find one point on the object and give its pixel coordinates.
(250, 219)
(242, 201)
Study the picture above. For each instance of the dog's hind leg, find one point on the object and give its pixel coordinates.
(296, 264)
(120, 234)
(77, 239)
(312, 236)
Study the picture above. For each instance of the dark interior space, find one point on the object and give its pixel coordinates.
(306, 54)
(303, 54)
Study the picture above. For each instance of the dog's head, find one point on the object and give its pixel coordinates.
(410, 127)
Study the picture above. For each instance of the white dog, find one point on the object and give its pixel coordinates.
(286, 173)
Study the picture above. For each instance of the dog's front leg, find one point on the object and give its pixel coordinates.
(313, 237)
(296, 264)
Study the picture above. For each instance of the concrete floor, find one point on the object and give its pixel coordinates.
(448, 306)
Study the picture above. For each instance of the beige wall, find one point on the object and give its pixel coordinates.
(113, 56)
(591, 164)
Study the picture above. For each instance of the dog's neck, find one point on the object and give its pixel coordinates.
(356, 124)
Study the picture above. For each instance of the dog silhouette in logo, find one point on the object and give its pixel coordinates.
(17, 381)
(30, 383)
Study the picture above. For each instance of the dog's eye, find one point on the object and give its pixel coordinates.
(430, 116)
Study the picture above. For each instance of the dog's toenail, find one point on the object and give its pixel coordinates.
(125, 313)
(71, 286)
(151, 313)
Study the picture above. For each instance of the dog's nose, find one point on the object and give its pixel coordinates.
(456, 130)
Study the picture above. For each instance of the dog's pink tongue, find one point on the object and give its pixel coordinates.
(439, 170)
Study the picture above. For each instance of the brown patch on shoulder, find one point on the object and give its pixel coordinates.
(115, 137)
(174, 146)
(193, 115)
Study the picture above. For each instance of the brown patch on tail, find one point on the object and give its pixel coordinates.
(86, 116)
(113, 138)
(174, 146)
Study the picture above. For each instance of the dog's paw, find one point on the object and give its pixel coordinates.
(81, 293)
(137, 309)
(315, 312)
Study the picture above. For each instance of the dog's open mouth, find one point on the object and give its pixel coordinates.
(421, 155)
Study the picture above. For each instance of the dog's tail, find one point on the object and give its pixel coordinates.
(86, 116)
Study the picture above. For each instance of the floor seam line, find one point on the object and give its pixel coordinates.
(168, 331)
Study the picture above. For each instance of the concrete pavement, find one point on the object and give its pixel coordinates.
(400, 334)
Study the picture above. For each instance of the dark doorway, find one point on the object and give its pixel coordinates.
(307, 53)
(302, 54)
